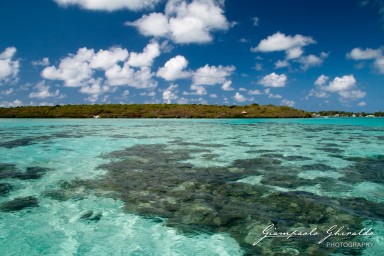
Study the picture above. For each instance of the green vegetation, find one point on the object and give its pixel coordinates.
(347, 114)
(152, 111)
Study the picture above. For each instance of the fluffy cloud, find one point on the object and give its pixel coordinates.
(211, 75)
(227, 86)
(367, 54)
(120, 68)
(197, 90)
(379, 65)
(95, 89)
(352, 95)
(213, 96)
(184, 22)
(361, 104)
(43, 62)
(359, 54)
(254, 92)
(274, 80)
(110, 5)
(15, 103)
(174, 69)
(293, 48)
(344, 86)
(289, 103)
(43, 92)
(170, 94)
(146, 58)
(292, 45)
(9, 68)
(7, 92)
(239, 98)
(338, 84)
(154, 24)
(281, 64)
(125, 75)
(321, 80)
(318, 94)
(105, 59)
(312, 60)
(74, 70)
(274, 96)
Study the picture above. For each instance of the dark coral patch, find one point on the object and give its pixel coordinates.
(32, 173)
(364, 169)
(8, 171)
(153, 181)
(5, 188)
(19, 204)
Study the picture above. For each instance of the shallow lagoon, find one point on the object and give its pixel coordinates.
(190, 187)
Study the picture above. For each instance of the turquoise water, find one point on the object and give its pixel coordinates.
(190, 187)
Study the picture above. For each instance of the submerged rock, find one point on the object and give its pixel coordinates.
(18, 143)
(8, 171)
(90, 216)
(364, 169)
(32, 173)
(86, 215)
(19, 203)
(4, 188)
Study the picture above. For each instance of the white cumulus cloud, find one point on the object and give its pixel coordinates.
(273, 80)
(239, 97)
(289, 103)
(362, 104)
(9, 68)
(321, 80)
(352, 94)
(120, 68)
(105, 59)
(184, 22)
(379, 65)
(254, 92)
(43, 62)
(109, 5)
(125, 75)
(74, 70)
(197, 90)
(318, 94)
(365, 54)
(292, 45)
(170, 94)
(43, 91)
(211, 75)
(227, 86)
(7, 104)
(154, 24)
(174, 69)
(338, 84)
(345, 87)
(312, 60)
(376, 55)
(146, 58)
(281, 64)
(7, 92)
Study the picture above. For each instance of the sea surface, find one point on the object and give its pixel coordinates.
(192, 186)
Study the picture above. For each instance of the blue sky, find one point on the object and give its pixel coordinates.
(312, 55)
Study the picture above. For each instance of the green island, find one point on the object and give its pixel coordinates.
(167, 111)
